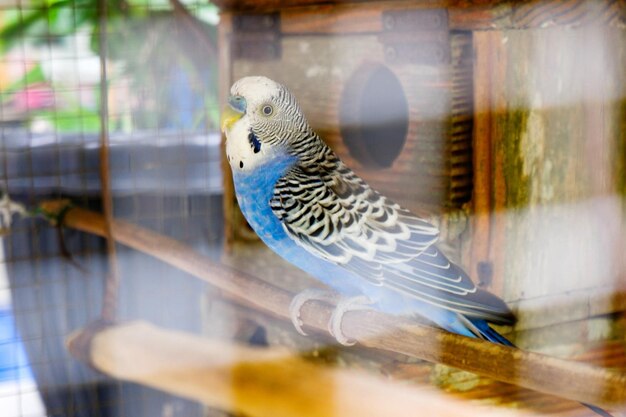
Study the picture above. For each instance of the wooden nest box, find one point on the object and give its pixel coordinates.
(508, 119)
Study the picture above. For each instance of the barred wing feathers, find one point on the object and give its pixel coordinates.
(340, 218)
(335, 215)
(431, 277)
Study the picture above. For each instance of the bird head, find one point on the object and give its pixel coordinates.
(260, 121)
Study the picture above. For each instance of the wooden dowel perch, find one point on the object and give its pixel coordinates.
(563, 378)
(260, 382)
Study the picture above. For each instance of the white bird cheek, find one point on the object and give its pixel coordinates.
(239, 152)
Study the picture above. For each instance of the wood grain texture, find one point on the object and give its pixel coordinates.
(329, 19)
(273, 5)
(331, 16)
(557, 212)
(482, 198)
(500, 64)
(489, 67)
(500, 15)
(468, 386)
(372, 329)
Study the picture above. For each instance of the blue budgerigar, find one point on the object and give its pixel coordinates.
(316, 213)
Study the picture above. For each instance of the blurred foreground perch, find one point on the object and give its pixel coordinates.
(563, 378)
(258, 382)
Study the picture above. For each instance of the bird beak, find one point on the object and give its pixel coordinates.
(235, 109)
(229, 117)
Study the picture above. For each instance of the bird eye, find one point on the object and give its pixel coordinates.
(268, 110)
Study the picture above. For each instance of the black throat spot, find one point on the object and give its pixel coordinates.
(254, 142)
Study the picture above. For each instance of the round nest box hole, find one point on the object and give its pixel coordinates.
(374, 116)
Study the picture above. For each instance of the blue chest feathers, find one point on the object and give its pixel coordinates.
(254, 191)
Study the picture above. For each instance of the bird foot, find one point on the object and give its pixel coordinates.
(357, 303)
(302, 298)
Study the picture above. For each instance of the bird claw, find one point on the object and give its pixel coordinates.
(357, 303)
(344, 305)
(301, 299)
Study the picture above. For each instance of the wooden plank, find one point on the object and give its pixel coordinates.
(543, 14)
(468, 386)
(481, 16)
(344, 18)
(503, 15)
(482, 196)
(489, 193)
(276, 5)
(328, 16)
(330, 19)
(497, 251)
(370, 328)
(257, 382)
(552, 208)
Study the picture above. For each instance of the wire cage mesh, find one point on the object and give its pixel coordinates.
(150, 65)
(112, 105)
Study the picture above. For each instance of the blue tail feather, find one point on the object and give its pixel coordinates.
(490, 334)
(598, 410)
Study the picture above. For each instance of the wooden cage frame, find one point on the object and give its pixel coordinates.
(484, 19)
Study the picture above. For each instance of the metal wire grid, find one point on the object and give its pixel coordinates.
(164, 176)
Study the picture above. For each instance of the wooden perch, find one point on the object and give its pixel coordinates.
(563, 378)
(258, 382)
